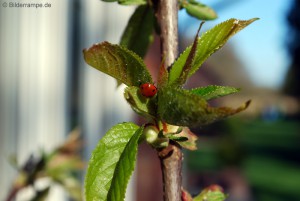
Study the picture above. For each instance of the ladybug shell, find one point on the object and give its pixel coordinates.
(148, 90)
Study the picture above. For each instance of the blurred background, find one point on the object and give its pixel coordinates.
(46, 90)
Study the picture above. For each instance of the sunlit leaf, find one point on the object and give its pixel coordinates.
(140, 104)
(109, 0)
(132, 2)
(211, 193)
(183, 74)
(213, 91)
(180, 107)
(198, 10)
(138, 34)
(112, 163)
(118, 62)
(208, 43)
(124, 168)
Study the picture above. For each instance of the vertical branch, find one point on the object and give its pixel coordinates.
(167, 17)
(166, 12)
(171, 162)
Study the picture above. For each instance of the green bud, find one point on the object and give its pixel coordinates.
(151, 134)
(154, 137)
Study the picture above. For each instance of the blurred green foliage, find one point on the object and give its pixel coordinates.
(266, 152)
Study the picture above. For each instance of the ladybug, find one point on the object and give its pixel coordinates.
(148, 90)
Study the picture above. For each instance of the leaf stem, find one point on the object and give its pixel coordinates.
(166, 12)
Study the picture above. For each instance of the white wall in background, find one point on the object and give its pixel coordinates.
(34, 67)
(102, 105)
(34, 64)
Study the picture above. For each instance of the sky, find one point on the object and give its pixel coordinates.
(262, 45)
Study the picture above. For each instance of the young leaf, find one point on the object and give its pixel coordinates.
(132, 2)
(189, 61)
(185, 195)
(180, 107)
(198, 10)
(138, 34)
(163, 75)
(208, 43)
(112, 163)
(211, 193)
(190, 144)
(184, 132)
(140, 104)
(109, 0)
(118, 62)
(213, 91)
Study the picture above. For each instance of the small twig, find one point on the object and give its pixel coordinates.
(12, 194)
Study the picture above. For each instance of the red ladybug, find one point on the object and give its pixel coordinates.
(148, 90)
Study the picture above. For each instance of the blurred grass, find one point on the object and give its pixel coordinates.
(273, 176)
(267, 152)
(260, 134)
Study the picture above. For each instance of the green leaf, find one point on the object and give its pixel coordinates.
(199, 11)
(190, 144)
(163, 75)
(211, 193)
(138, 34)
(118, 62)
(132, 2)
(183, 133)
(140, 104)
(112, 163)
(177, 138)
(109, 0)
(183, 108)
(189, 61)
(211, 196)
(213, 91)
(208, 43)
(124, 168)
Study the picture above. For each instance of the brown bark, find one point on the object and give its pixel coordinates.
(171, 165)
(166, 12)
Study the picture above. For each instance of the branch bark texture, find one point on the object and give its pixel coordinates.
(170, 157)
(167, 17)
(171, 165)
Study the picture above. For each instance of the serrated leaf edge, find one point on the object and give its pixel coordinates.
(140, 130)
(103, 139)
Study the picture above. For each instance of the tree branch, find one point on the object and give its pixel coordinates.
(171, 162)
(166, 12)
(167, 17)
